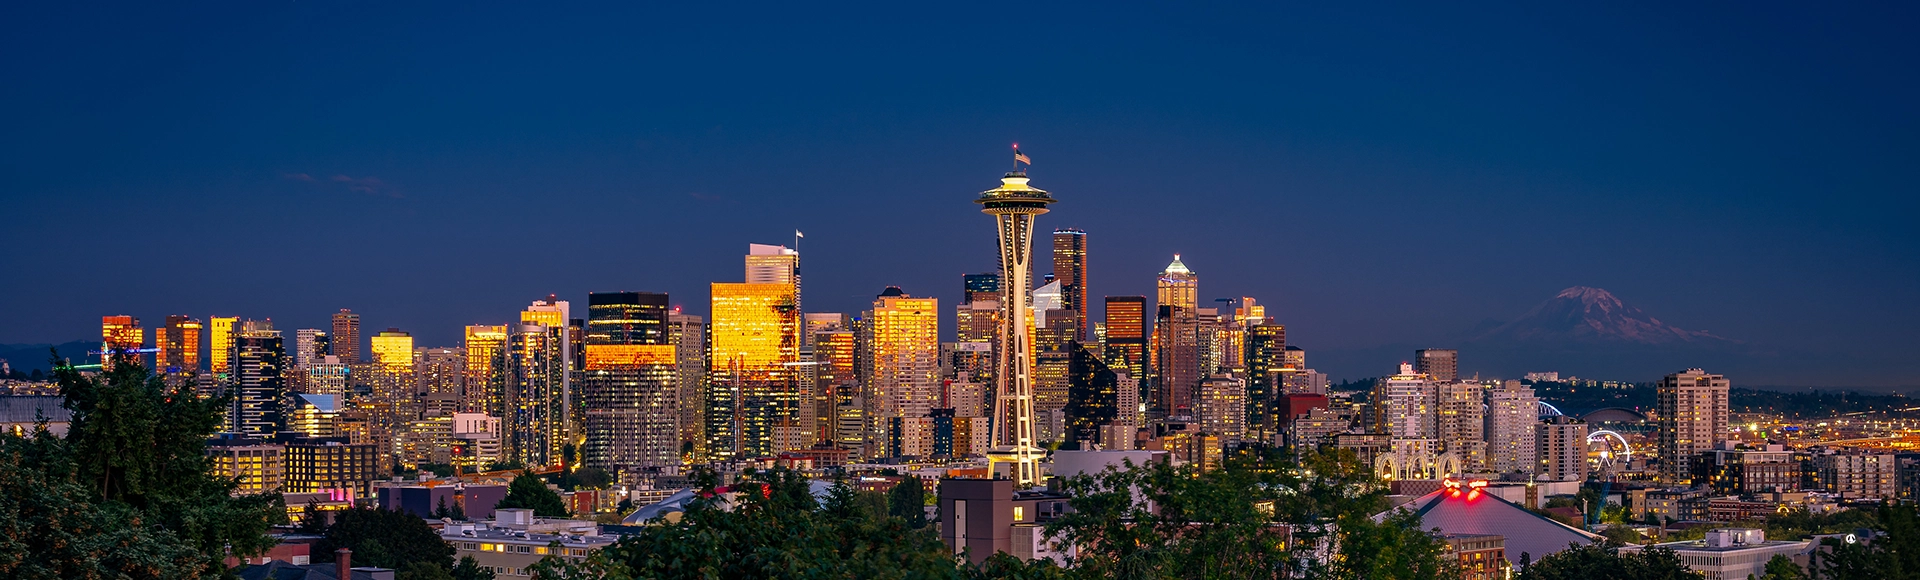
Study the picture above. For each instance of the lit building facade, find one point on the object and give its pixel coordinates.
(1014, 206)
(346, 336)
(1562, 444)
(1404, 405)
(1443, 364)
(1512, 410)
(689, 335)
(178, 345)
(484, 388)
(906, 359)
(1692, 410)
(220, 333)
(1070, 270)
(535, 401)
(121, 338)
(1124, 344)
(260, 360)
(755, 338)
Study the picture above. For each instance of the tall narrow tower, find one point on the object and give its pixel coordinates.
(1013, 206)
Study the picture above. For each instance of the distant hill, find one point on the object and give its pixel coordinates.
(27, 357)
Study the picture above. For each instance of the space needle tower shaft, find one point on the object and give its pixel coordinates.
(1013, 206)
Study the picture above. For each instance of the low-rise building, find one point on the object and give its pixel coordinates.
(1482, 556)
(514, 541)
(1731, 553)
(319, 464)
(256, 466)
(1857, 475)
(1733, 470)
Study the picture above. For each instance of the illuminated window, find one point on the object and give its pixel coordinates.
(1019, 513)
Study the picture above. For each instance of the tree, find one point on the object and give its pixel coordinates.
(51, 528)
(907, 501)
(145, 467)
(1781, 567)
(596, 566)
(469, 569)
(1600, 561)
(1891, 554)
(423, 571)
(529, 492)
(770, 526)
(383, 538)
(455, 512)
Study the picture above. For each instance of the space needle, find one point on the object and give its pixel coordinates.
(1013, 206)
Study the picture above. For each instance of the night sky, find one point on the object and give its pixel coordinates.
(1376, 174)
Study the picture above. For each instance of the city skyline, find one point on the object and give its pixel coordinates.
(1374, 192)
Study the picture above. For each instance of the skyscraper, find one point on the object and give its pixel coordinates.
(1562, 449)
(1220, 406)
(483, 390)
(906, 369)
(1125, 346)
(1176, 359)
(259, 360)
(1443, 364)
(1070, 269)
(555, 316)
(1692, 407)
(310, 344)
(979, 287)
(768, 264)
(1014, 205)
(1404, 405)
(178, 344)
(1511, 413)
(1266, 347)
(1178, 286)
(752, 399)
(220, 344)
(346, 336)
(535, 403)
(121, 338)
(627, 318)
(629, 387)
(1093, 398)
(440, 373)
(689, 335)
(1461, 423)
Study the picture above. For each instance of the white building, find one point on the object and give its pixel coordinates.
(1405, 405)
(1511, 412)
(1731, 553)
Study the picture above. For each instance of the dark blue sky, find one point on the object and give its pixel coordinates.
(1378, 174)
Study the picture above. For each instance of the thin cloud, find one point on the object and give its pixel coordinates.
(298, 177)
(369, 185)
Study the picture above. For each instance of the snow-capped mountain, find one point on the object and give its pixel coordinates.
(1591, 315)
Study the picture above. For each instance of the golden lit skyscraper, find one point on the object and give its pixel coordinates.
(556, 316)
(906, 369)
(394, 401)
(483, 389)
(346, 336)
(769, 264)
(1125, 342)
(1014, 205)
(1179, 286)
(632, 408)
(120, 338)
(836, 383)
(393, 354)
(1070, 269)
(220, 343)
(178, 344)
(755, 341)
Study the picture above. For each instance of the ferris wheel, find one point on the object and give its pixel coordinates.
(1609, 449)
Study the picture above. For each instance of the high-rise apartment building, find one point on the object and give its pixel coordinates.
(1178, 286)
(310, 344)
(346, 336)
(178, 345)
(1266, 347)
(1070, 270)
(483, 389)
(1220, 407)
(1124, 344)
(121, 338)
(536, 420)
(1512, 410)
(440, 373)
(220, 334)
(556, 316)
(753, 400)
(1692, 410)
(1404, 405)
(689, 336)
(1442, 364)
(260, 359)
(1562, 444)
(906, 382)
(1461, 423)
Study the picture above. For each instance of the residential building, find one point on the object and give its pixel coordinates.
(346, 336)
(1692, 410)
(1511, 412)
(1562, 444)
(1442, 364)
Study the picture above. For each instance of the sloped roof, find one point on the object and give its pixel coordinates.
(1484, 513)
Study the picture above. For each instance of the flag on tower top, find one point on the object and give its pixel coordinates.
(797, 234)
(1021, 157)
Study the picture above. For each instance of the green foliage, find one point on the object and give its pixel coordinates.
(1798, 523)
(1781, 567)
(775, 529)
(133, 463)
(1262, 515)
(469, 569)
(423, 571)
(1004, 566)
(1893, 554)
(51, 527)
(583, 478)
(452, 512)
(1601, 561)
(530, 492)
(508, 465)
(908, 502)
(387, 539)
(596, 566)
(1623, 536)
